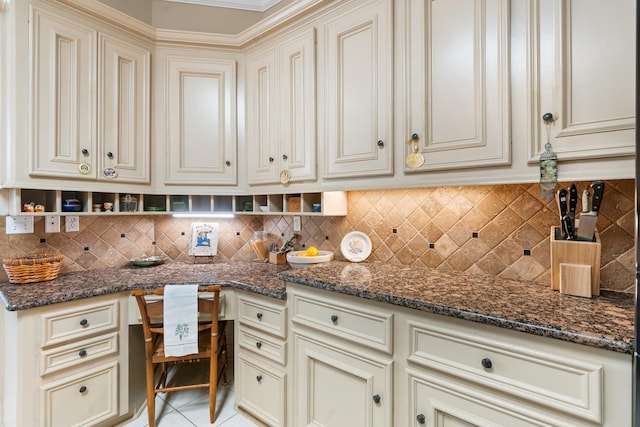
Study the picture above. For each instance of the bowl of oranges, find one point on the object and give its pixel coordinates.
(312, 255)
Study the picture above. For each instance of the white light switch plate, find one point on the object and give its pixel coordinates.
(52, 224)
(19, 224)
(296, 223)
(71, 223)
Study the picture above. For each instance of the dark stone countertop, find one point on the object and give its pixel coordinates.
(256, 277)
(605, 322)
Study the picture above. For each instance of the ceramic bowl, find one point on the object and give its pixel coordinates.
(296, 261)
(71, 205)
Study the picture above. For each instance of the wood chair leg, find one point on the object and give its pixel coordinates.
(151, 395)
(213, 383)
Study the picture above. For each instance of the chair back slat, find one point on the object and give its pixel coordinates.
(152, 311)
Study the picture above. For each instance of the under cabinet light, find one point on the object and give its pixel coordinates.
(203, 215)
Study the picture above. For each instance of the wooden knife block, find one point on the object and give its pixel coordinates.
(575, 265)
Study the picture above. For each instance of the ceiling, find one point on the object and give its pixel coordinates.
(254, 5)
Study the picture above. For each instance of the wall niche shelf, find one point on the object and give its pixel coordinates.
(333, 203)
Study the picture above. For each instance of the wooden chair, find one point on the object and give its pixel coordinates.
(211, 345)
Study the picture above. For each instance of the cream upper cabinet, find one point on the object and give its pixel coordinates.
(457, 92)
(281, 131)
(89, 111)
(63, 109)
(200, 119)
(355, 90)
(582, 54)
(123, 109)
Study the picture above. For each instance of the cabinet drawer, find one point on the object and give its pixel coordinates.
(74, 354)
(568, 385)
(353, 322)
(85, 399)
(264, 316)
(263, 345)
(261, 391)
(75, 323)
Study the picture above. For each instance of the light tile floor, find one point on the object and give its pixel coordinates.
(191, 407)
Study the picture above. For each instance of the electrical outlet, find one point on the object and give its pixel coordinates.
(296, 223)
(71, 223)
(19, 224)
(52, 224)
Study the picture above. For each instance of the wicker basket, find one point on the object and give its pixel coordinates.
(32, 268)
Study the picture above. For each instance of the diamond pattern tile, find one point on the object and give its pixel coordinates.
(509, 219)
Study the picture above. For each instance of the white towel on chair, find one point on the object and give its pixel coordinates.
(180, 320)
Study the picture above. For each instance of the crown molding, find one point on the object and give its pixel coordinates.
(113, 17)
(238, 41)
(126, 23)
(252, 5)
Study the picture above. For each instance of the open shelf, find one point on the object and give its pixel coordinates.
(94, 203)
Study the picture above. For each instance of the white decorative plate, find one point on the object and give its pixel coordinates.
(356, 246)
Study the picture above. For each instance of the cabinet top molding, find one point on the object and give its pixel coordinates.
(277, 20)
(254, 5)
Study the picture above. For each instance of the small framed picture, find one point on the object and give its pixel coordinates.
(204, 239)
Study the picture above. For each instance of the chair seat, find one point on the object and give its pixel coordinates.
(204, 349)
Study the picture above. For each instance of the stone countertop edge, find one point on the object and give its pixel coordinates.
(259, 278)
(604, 322)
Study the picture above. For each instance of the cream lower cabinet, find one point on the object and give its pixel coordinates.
(261, 358)
(66, 364)
(357, 362)
(458, 373)
(342, 374)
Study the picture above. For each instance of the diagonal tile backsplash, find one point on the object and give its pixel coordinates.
(499, 230)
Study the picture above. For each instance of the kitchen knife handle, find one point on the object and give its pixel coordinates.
(598, 191)
(561, 198)
(573, 199)
(585, 200)
(567, 225)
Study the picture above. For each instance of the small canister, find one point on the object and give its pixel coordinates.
(128, 203)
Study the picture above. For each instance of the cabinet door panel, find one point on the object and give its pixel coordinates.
(263, 153)
(356, 99)
(337, 388)
(201, 144)
(261, 390)
(458, 82)
(436, 405)
(87, 398)
(298, 106)
(124, 103)
(63, 120)
(585, 75)
(281, 110)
